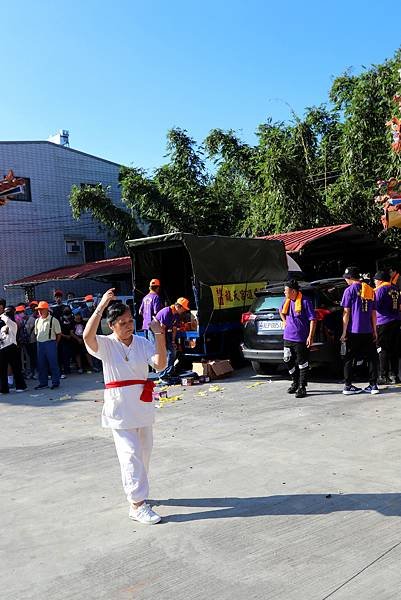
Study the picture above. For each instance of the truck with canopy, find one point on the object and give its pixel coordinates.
(219, 275)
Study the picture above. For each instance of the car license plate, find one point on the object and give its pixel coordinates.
(269, 326)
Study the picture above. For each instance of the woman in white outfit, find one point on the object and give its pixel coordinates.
(128, 408)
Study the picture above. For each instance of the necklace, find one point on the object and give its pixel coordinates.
(126, 354)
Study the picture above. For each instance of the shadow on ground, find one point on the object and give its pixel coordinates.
(297, 504)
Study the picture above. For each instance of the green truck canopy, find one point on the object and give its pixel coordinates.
(216, 259)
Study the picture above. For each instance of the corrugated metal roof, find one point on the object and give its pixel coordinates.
(99, 268)
(295, 241)
(66, 148)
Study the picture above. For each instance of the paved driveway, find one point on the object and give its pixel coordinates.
(263, 496)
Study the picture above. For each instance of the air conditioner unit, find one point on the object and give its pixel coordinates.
(72, 247)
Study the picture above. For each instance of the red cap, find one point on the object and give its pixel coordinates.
(88, 298)
(58, 293)
(19, 308)
(33, 303)
(154, 282)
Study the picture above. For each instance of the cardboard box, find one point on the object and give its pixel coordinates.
(215, 369)
(199, 368)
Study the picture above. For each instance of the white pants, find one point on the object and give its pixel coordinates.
(134, 447)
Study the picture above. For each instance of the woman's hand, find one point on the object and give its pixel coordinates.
(156, 327)
(106, 299)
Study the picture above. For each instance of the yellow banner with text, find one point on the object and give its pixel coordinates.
(235, 294)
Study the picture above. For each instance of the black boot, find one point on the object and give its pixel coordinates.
(303, 376)
(301, 392)
(293, 387)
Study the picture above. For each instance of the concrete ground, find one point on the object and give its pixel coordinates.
(263, 496)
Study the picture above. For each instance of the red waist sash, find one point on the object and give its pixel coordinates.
(148, 386)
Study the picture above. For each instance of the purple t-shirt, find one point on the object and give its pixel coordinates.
(297, 324)
(387, 304)
(151, 304)
(166, 317)
(361, 310)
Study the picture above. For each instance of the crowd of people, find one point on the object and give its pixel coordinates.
(42, 340)
(371, 331)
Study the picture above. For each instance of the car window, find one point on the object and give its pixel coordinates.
(331, 296)
(274, 302)
(267, 303)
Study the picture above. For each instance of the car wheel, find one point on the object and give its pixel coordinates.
(263, 368)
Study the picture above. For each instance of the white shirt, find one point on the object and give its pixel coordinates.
(8, 332)
(123, 408)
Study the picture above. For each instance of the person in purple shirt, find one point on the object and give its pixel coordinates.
(299, 320)
(359, 330)
(388, 327)
(170, 318)
(151, 304)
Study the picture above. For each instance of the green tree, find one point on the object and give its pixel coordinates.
(365, 104)
(180, 196)
(316, 170)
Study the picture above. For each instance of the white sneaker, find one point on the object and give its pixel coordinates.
(144, 514)
(62, 376)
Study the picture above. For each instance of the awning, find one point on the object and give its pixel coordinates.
(92, 270)
(295, 241)
(325, 242)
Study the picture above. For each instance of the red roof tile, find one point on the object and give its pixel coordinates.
(294, 241)
(99, 268)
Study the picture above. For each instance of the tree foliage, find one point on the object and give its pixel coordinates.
(316, 170)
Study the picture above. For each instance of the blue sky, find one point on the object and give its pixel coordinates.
(119, 74)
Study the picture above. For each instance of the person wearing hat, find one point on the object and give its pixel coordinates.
(9, 353)
(388, 326)
(150, 306)
(359, 330)
(87, 311)
(298, 316)
(169, 317)
(47, 331)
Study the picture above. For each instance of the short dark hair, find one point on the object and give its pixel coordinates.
(3, 303)
(10, 312)
(292, 284)
(115, 311)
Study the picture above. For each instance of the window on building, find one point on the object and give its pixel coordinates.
(94, 251)
(73, 247)
(25, 196)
